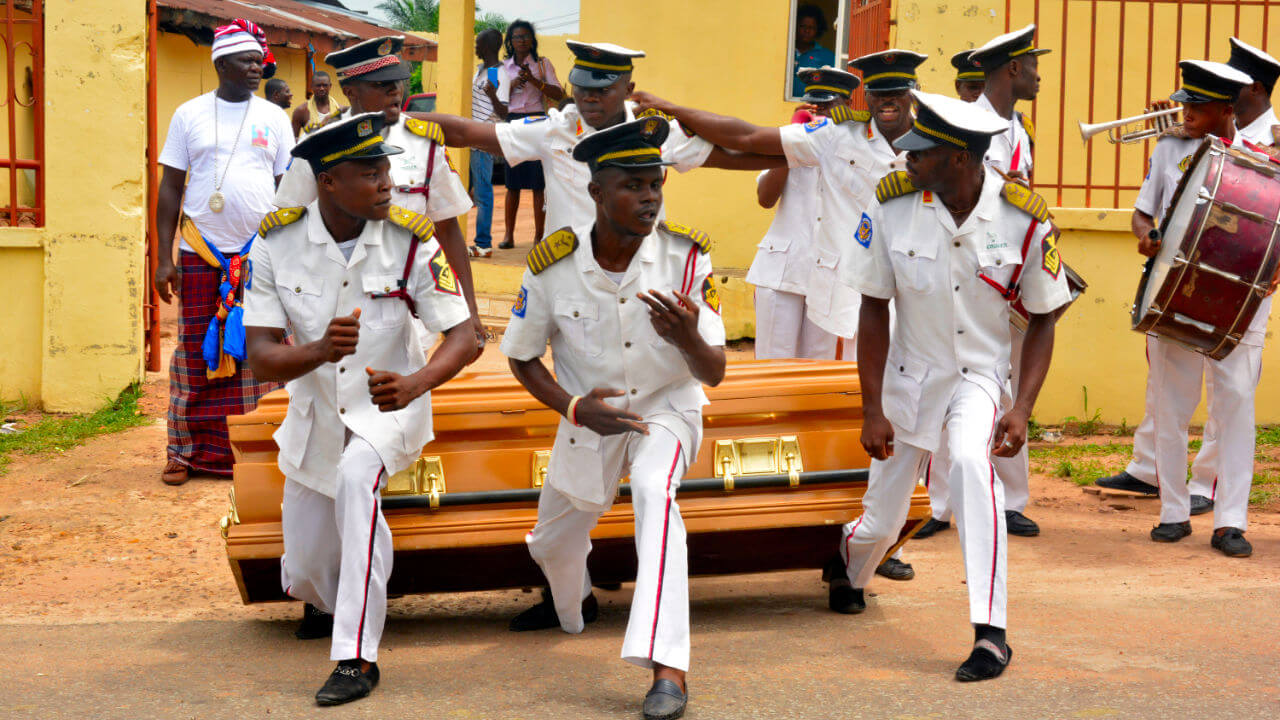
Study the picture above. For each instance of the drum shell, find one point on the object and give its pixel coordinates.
(1018, 315)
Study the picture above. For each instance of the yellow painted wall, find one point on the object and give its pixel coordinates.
(21, 320)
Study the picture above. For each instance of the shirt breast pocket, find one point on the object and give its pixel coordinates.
(573, 173)
(999, 264)
(386, 313)
(301, 296)
(915, 261)
(579, 321)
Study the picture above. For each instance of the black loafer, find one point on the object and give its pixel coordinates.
(932, 527)
(315, 624)
(1171, 532)
(664, 701)
(984, 663)
(1231, 542)
(1128, 483)
(1200, 504)
(347, 682)
(543, 615)
(895, 569)
(842, 597)
(1018, 524)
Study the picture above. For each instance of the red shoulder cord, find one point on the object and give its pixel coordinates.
(402, 285)
(1011, 292)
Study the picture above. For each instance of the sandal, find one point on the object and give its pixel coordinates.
(174, 473)
(476, 251)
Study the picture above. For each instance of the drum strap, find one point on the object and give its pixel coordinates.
(1011, 292)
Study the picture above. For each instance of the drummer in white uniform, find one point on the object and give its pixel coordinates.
(1010, 67)
(631, 312)
(938, 240)
(1208, 92)
(601, 79)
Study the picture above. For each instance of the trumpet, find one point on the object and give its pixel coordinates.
(1160, 120)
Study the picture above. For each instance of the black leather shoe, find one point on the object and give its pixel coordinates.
(931, 527)
(1018, 524)
(1231, 542)
(347, 682)
(1128, 483)
(664, 701)
(895, 569)
(1200, 504)
(315, 624)
(842, 597)
(985, 662)
(543, 615)
(1171, 532)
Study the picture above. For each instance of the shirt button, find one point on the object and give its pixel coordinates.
(572, 441)
(622, 301)
(341, 370)
(959, 332)
(911, 253)
(575, 313)
(957, 288)
(626, 344)
(902, 368)
(342, 411)
(344, 283)
(633, 391)
(297, 289)
(388, 289)
(957, 243)
(964, 370)
(999, 261)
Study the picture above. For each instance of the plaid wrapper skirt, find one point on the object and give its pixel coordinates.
(198, 407)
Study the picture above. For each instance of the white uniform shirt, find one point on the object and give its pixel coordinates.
(786, 254)
(601, 337)
(1008, 145)
(1170, 159)
(301, 279)
(448, 197)
(853, 157)
(952, 326)
(266, 137)
(551, 138)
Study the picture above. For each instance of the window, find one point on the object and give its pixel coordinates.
(816, 37)
(22, 115)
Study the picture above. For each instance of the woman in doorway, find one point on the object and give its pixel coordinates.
(811, 25)
(528, 85)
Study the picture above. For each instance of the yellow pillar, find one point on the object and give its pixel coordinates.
(454, 68)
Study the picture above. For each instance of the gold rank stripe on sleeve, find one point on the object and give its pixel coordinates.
(697, 237)
(1023, 198)
(280, 218)
(416, 223)
(1029, 126)
(552, 249)
(895, 184)
(843, 114)
(425, 128)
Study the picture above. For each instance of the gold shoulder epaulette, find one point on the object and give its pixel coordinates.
(1025, 199)
(843, 114)
(279, 219)
(418, 224)
(425, 128)
(1029, 126)
(697, 237)
(655, 112)
(895, 184)
(1175, 130)
(552, 249)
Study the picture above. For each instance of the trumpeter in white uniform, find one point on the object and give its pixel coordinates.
(359, 405)
(1009, 66)
(630, 310)
(1175, 373)
(601, 79)
(937, 239)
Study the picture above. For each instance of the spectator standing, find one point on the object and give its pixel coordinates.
(319, 108)
(277, 92)
(811, 24)
(485, 107)
(223, 155)
(527, 81)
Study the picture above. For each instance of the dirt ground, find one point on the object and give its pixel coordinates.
(116, 601)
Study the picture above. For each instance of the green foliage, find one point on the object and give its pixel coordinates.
(1266, 487)
(56, 434)
(1035, 431)
(490, 21)
(1269, 436)
(424, 16)
(1072, 452)
(1081, 472)
(1123, 429)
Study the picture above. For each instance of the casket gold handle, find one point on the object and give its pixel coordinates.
(432, 473)
(726, 465)
(792, 475)
(232, 517)
(541, 461)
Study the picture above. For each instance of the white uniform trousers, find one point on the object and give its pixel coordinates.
(783, 331)
(337, 551)
(1160, 444)
(658, 629)
(1014, 472)
(977, 499)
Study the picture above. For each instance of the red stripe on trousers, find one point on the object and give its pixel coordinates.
(662, 564)
(368, 567)
(995, 527)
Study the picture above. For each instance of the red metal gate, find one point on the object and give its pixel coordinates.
(868, 31)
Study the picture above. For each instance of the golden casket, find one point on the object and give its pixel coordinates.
(779, 471)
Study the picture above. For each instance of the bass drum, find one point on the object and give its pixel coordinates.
(1219, 252)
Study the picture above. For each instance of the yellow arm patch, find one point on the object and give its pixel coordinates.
(1029, 126)
(1023, 198)
(1049, 250)
(552, 249)
(425, 128)
(710, 295)
(280, 218)
(697, 237)
(895, 184)
(442, 273)
(416, 223)
(844, 113)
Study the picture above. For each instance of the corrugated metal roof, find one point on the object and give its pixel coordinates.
(286, 22)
